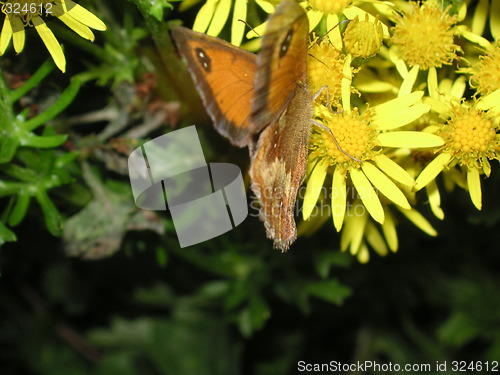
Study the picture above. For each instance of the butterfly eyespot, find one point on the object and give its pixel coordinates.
(203, 59)
(286, 43)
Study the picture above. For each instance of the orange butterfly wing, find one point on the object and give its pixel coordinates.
(281, 63)
(224, 75)
(282, 97)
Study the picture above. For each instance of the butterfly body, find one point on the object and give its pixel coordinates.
(262, 102)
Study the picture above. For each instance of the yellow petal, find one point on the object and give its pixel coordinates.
(204, 16)
(431, 171)
(420, 222)
(474, 38)
(385, 185)
(313, 190)
(5, 35)
(383, 113)
(434, 199)
(82, 15)
(266, 6)
(368, 195)
(352, 234)
(490, 101)
(375, 239)
(220, 17)
(389, 229)
(339, 198)
(432, 83)
(51, 43)
(77, 27)
(409, 81)
(393, 170)
(257, 31)
(458, 87)
(495, 19)
(334, 35)
(402, 117)
(314, 17)
(409, 139)
(238, 27)
(474, 185)
(363, 254)
(479, 18)
(346, 84)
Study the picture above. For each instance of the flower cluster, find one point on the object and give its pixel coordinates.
(413, 103)
(20, 14)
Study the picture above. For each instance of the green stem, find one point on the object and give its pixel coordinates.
(61, 103)
(7, 119)
(34, 80)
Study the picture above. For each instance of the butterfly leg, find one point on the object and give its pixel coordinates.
(318, 93)
(328, 130)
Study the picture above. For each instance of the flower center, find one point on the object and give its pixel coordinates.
(330, 6)
(470, 135)
(424, 36)
(353, 133)
(363, 39)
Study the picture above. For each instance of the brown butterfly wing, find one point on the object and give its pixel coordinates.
(281, 63)
(282, 97)
(224, 76)
(278, 166)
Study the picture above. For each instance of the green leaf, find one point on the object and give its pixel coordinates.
(43, 142)
(459, 329)
(8, 147)
(325, 261)
(20, 173)
(60, 104)
(53, 219)
(329, 290)
(20, 208)
(9, 188)
(34, 80)
(6, 235)
(157, 7)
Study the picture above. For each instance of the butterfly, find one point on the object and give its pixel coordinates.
(261, 101)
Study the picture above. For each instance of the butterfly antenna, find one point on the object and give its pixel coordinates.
(339, 147)
(250, 27)
(320, 39)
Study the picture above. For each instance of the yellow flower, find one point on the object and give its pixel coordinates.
(469, 130)
(22, 13)
(424, 36)
(353, 150)
(214, 14)
(423, 39)
(485, 73)
(363, 39)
